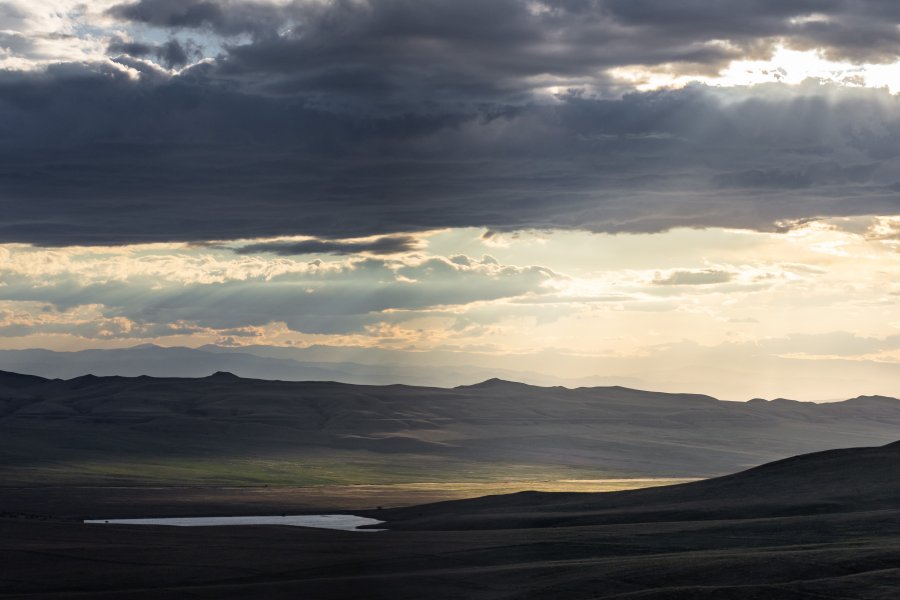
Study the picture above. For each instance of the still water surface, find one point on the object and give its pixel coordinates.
(343, 522)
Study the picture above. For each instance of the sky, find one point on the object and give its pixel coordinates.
(695, 196)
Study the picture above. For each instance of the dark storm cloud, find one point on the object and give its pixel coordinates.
(225, 17)
(824, 173)
(383, 245)
(137, 49)
(351, 119)
(190, 158)
(391, 53)
(534, 37)
(171, 53)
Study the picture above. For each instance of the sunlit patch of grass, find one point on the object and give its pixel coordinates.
(356, 468)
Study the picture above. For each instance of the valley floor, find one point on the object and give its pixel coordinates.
(829, 556)
(87, 501)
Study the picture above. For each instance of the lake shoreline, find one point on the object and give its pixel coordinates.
(118, 502)
(341, 522)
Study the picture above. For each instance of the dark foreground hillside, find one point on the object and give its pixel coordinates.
(224, 430)
(830, 482)
(823, 526)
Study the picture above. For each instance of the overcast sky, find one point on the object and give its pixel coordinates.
(613, 184)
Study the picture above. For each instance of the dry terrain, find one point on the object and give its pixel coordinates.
(821, 526)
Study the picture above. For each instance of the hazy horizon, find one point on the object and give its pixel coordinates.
(356, 366)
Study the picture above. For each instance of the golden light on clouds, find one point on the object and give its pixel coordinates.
(822, 290)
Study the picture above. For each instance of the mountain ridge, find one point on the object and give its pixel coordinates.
(350, 365)
(159, 361)
(493, 383)
(232, 429)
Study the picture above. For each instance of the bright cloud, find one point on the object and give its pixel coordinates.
(824, 290)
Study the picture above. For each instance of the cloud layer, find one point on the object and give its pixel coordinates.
(392, 244)
(181, 158)
(355, 118)
(651, 308)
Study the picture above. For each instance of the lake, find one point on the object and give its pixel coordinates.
(342, 522)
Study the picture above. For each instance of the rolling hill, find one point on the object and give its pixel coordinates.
(223, 429)
(830, 482)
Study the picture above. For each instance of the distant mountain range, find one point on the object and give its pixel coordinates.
(678, 369)
(257, 362)
(318, 363)
(227, 429)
